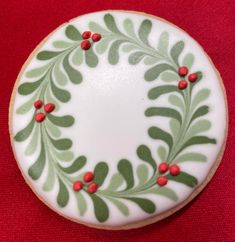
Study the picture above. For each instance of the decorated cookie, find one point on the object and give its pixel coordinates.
(118, 119)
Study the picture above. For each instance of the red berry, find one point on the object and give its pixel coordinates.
(96, 37)
(38, 104)
(77, 186)
(49, 107)
(174, 170)
(92, 188)
(162, 181)
(183, 71)
(86, 34)
(88, 177)
(192, 77)
(182, 84)
(85, 45)
(39, 117)
(163, 167)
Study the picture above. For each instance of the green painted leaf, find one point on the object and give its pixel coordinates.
(201, 111)
(192, 156)
(110, 23)
(61, 144)
(156, 92)
(53, 130)
(184, 178)
(136, 57)
(202, 95)
(162, 153)
(60, 76)
(199, 77)
(36, 169)
(72, 33)
(64, 155)
(47, 55)
(142, 173)
(163, 43)
(165, 112)
(50, 180)
(81, 203)
(50, 98)
(129, 27)
(175, 127)
(63, 194)
(37, 72)
(77, 57)
(169, 76)
(91, 58)
(32, 145)
(176, 101)
(113, 54)
(163, 191)
(115, 182)
(27, 106)
(62, 121)
(120, 205)
(145, 204)
(149, 60)
(188, 60)
(76, 165)
(199, 127)
(97, 28)
(100, 207)
(100, 172)
(74, 75)
(157, 133)
(24, 133)
(144, 31)
(126, 170)
(61, 94)
(29, 87)
(176, 51)
(60, 44)
(102, 46)
(128, 47)
(144, 154)
(153, 73)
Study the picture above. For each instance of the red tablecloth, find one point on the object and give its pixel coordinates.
(210, 217)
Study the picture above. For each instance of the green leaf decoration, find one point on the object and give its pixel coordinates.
(77, 165)
(169, 76)
(157, 133)
(129, 27)
(74, 75)
(36, 169)
(144, 31)
(144, 154)
(61, 94)
(60, 76)
(126, 170)
(165, 112)
(37, 72)
(153, 73)
(50, 180)
(77, 57)
(53, 130)
(145, 204)
(61, 144)
(184, 178)
(201, 111)
(188, 60)
(100, 173)
(28, 105)
(102, 46)
(175, 127)
(163, 43)
(120, 205)
(162, 153)
(63, 194)
(72, 33)
(64, 155)
(97, 28)
(128, 47)
(60, 44)
(202, 95)
(142, 173)
(163, 191)
(47, 55)
(136, 57)
(199, 127)
(100, 207)
(110, 23)
(192, 156)
(32, 145)
(176, 51)
(62, 121)
(156, 92)
(149, 60)
(113, 54)
(23, 134)
(115, 182)
(91, 58)
(176, 101)
(81, 203)
(29, 87)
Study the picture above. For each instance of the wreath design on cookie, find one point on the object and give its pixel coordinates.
(45, 87)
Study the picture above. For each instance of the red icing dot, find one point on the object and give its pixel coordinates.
(85, 45)
(174, 170)
(49, 107)
(39, 117)
(88, 177)
(38, 104)
(183, 71)
(86, 34)
(77, 186)
(162, 181)
(192, 77)
(96, 37)
(92, 188)
(182, 84)
(163, 167)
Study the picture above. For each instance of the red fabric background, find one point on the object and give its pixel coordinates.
(210, 217)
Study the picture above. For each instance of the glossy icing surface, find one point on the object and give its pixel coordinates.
(113, 110)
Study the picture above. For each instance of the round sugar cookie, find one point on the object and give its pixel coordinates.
(118, 119)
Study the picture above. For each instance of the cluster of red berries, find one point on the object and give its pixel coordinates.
(174, 170)
(183, 72)
(86, 35)
(87, 178)
(48, 108)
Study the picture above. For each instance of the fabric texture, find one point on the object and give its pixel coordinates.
(209, 217)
